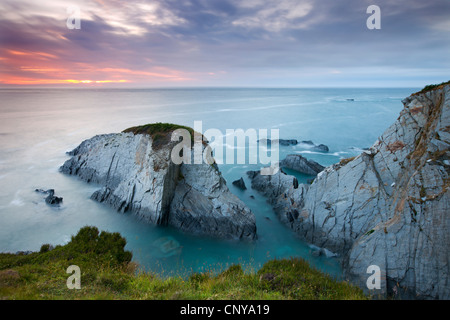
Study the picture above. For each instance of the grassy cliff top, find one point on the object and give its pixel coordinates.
(107, 273)
(432, 87)
(157, 128)
(160, 132)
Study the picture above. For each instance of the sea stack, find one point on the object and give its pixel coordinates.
(137, 174)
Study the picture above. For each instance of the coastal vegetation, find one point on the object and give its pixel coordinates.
(160, 132)
(432, 87)
(107, 272)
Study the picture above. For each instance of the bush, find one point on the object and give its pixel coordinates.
(46, 248)
(432, 87)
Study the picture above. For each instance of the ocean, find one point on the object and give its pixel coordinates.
(38, 126)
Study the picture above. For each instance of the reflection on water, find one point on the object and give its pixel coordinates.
(37, 127)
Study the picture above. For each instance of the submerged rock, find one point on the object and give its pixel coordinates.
(386, 207)
(138, 176)
(168, 246)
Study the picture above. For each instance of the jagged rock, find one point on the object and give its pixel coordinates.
(321, 148)
(295, 183)
(279, 185)
(387, 207)
(202, 204)
(307, 142)
(314, 147)
(240, 184)
(294, 142)
(51, 199)
(317, 251)
(301, 164)
(138, 176)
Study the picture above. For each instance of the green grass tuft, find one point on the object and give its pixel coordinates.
(108, 273)
(160, 132)
(432, 87)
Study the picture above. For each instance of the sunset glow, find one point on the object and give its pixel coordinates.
(29, 81)
(223, 43)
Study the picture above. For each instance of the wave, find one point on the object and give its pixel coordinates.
(17, 201)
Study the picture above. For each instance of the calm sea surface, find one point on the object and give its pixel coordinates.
(37, 127)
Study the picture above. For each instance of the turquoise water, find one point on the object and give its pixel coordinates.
(37, 127)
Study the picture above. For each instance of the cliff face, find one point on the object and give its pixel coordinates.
(388, 207)
(138, 176)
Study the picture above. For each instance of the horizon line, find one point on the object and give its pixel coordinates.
(209, 87)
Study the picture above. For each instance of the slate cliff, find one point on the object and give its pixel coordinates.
(387, 207)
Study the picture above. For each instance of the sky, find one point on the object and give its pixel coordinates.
(223, 43)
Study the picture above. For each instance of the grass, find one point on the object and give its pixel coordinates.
(160, 132)
(432, 87)
(108, 273)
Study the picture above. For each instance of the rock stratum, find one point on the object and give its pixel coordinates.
(138, 176)
(388, 207)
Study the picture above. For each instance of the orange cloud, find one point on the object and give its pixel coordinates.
(22, 67)
(31, 81)
(38, 54)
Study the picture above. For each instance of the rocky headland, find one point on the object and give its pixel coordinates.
(387, 207)
(137, 175)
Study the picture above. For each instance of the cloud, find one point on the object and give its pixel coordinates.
(238, 42)
(274, 15)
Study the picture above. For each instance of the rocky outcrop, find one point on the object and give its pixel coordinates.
(240, 184)
(387, 207)
(202, 204)
(51, 199)
(281, 142)
(294, 142)
(301, 164)
(281, 189)
(321, 148)
(314, 147)
(137, 175)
